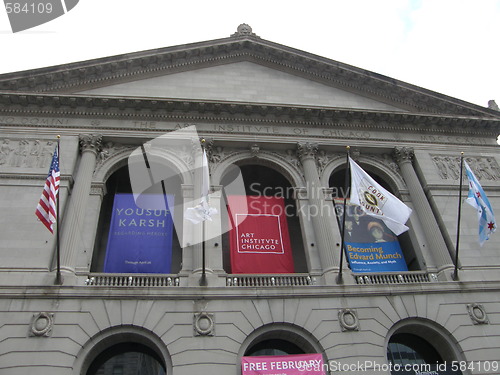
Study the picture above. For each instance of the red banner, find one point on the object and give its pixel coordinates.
(259, 235)
(300, 364)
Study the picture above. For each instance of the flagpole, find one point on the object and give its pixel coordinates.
(203, 279)
(58, 280)
(346, 181)
(455, 273)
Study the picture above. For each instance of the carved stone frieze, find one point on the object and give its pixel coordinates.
(322, 159)
(448, 167)
(388, 160)
(108, 150)
(26, 153)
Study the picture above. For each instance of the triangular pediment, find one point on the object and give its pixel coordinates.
(243, 69)
(243, 81)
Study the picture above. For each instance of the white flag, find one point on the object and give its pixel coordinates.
(376, 201)
(202, 211)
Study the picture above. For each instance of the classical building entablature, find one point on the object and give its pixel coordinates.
(54, 105)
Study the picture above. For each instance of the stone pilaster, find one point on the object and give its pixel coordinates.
(321, 211)
(437, 245)
(73, 219)
(197, 229)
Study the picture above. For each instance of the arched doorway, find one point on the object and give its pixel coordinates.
(119, 184)
(362, 228)
(266, 181)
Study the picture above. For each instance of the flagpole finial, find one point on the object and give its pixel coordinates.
(348, 147)
(58, 136)
(462, 153)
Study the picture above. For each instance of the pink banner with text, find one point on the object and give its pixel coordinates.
(300, 364)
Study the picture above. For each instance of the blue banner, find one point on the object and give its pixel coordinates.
(370, 246)
(375, 257)
(140, 240)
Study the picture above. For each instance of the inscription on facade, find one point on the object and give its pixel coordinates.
(41, 121)
(144, 124)
(452, 139)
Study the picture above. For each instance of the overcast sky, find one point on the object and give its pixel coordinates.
(449, 46)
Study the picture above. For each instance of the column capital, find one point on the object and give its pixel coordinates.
(403, 154)
(307, 150)
(90, 142)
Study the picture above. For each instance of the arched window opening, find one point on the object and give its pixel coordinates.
(127, 358)
(263, 181)
(405, 348)
(364, 229)
(274, 347)
(421, 346)
(409, 353)
(151, 222)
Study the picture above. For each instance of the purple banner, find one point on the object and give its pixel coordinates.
(140, 240)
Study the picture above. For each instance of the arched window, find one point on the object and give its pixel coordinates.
(127, 358)
(274, 347)
(118, 184)
(420, 346)
(406, 348)
(362, 228)
(265, 181)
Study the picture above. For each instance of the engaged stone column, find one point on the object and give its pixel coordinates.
(321, 212)
(435, 240)
(197, 229)
(71, 239)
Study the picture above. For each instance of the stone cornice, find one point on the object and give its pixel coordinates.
(106, 71)
(31, 104)
(224, 293)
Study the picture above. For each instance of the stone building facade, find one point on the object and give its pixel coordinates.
(284, 117)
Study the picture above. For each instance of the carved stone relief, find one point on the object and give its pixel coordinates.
(204, 324)
(448, 167)
(477, 313)
(348, 320)
(41, 324)
(26, 153)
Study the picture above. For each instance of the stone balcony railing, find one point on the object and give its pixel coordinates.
(410, 277)
(257, 280)
(120, 280)
(295, 279)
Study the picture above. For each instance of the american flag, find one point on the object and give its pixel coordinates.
(47, 206)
